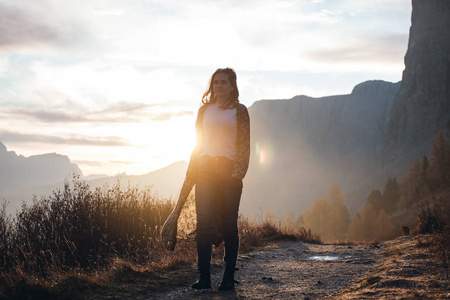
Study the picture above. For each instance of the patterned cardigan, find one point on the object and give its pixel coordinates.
(169, 229)
(243, 142)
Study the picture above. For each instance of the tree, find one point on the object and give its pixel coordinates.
(316, 217)
(339, 218)
(328, 217)
(288, 221)
(425, 167)
(391, 195)
(368, 222)
(411, 184)
(355, 231)
(440, 158)
(376, 199)
(383, 227)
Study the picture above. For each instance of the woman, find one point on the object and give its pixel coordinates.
(218, 163)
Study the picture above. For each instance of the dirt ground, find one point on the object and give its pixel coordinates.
(403, 268)
(288, 270)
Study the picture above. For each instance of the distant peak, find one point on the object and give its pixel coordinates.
(3, 147)
(372, 85)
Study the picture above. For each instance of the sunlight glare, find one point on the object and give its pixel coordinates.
(262, 154)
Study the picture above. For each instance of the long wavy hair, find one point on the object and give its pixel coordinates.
(209, 97)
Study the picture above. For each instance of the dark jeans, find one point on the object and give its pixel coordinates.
(217, 198)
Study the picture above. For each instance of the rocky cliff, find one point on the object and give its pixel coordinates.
(422, 106)
(302, 145)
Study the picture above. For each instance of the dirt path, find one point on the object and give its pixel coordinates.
(409, 270)
(287, 270)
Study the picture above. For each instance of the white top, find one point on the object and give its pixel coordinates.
(219, 131)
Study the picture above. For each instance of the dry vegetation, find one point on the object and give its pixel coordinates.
(103, 240)
(385, 211)
(409, 270)
(415, 266)
(77, 239)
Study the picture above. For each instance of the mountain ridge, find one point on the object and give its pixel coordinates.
(19, 171)
(307, 141)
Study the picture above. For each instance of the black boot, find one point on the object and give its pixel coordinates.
(228, 278)
(204, 280)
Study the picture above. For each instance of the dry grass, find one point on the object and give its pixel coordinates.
(432, 219)
(408, 271)
(77, 233)
(252, 236)
(81, 240)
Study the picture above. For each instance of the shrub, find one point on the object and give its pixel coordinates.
(431, 217)
(77, 227)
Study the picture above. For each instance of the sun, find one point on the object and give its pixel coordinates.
(165, 142)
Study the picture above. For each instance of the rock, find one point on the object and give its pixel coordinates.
(311, 142)
(359, 139)
(422, 106)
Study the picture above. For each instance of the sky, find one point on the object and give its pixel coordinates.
(115, 85)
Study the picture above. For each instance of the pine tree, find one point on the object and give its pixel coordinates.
(328, 217)
(339, 218)
(368, 222)
(376, 199)
(288, 221)
(316, 217)
(425, 167)
(440, 160)
(391, 195)
(355, 231)
(411, 185)
(383, 227)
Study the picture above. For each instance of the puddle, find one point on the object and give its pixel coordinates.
(324, 257)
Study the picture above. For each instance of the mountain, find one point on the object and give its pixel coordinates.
(422, 106)
(300, 146)
(164, 183)
(18, 172)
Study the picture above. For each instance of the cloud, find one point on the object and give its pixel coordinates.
(116, 113)
(18, 28)
(30, 23)
(165, 116)
(48, 115)
(388, 49)
(100, 141)
(93, 163)
(96, 163)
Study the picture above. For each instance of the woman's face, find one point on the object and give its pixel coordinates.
(221, 85)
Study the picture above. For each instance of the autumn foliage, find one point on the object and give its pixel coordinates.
(404, 203)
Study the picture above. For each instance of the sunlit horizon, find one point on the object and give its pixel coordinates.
(116, 85)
